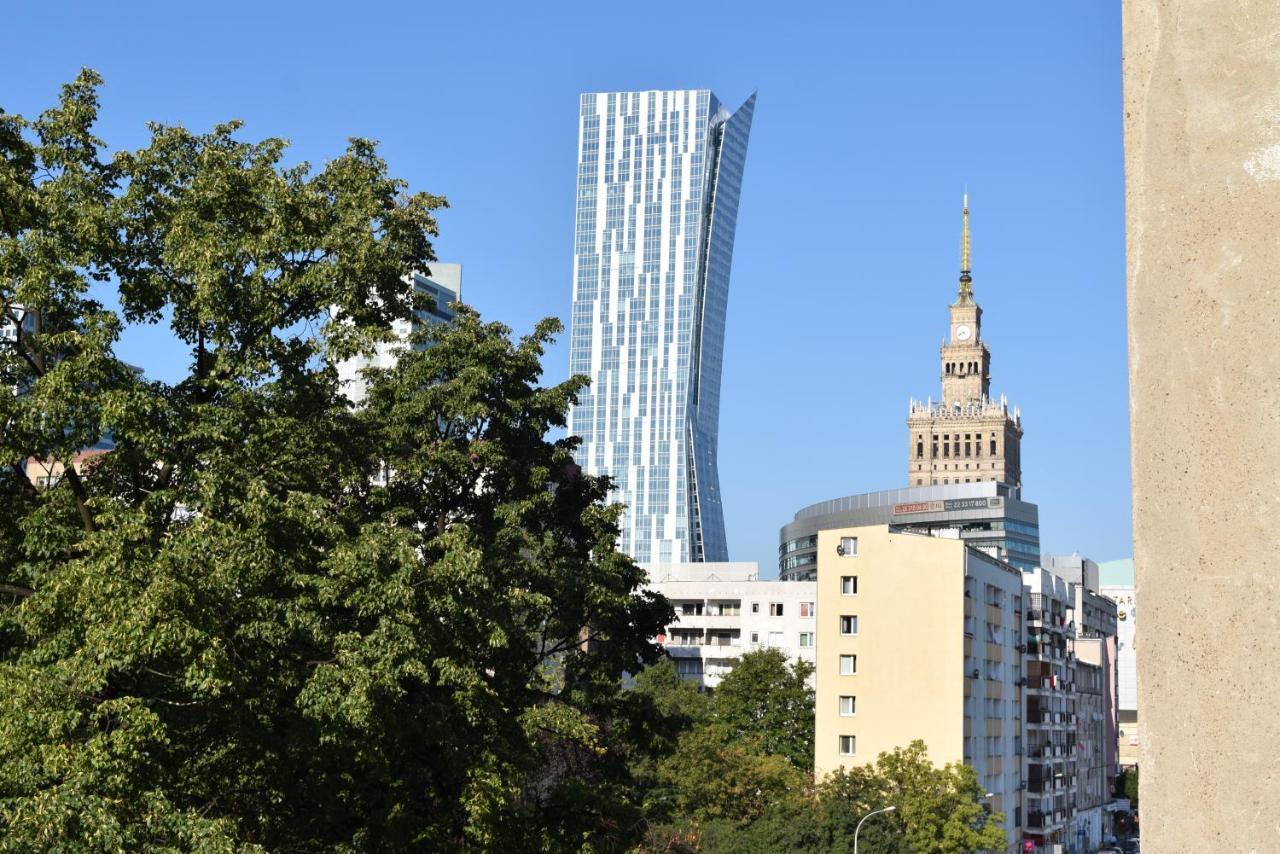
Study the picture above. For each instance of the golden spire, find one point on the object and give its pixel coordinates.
(966, 281)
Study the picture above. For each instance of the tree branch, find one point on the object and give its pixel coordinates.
(22, 477)
(81, 496)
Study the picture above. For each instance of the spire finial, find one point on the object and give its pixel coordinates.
(966, 286)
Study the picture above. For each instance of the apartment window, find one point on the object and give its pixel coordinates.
(755, 607)
(846, 745)
(806, 640)
(775, 609)
(848, 665)
(993, 447)
(848, 585)
(755, 638)
(806, 609)
(775, 639)
(848, 625)
(847, 706)
(849, 546)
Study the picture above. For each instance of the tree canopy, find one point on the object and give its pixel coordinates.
(270, 619)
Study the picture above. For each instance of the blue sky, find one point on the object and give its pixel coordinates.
(872, 119)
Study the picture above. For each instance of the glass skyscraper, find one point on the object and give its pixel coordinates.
(659, 175)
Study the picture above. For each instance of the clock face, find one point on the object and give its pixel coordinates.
(963, 333)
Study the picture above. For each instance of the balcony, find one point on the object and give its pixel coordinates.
(1044, 822)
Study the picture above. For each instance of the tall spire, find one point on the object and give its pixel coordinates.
(966, 281)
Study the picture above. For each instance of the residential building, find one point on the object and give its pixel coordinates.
(47, 473)
(917, 639)
(965, 436)
(1095, 740)
(1097, 619)
(1117, 584)
(659, 175)
(985, 514)
(443, 283)
(1051, 758)
(723, 610)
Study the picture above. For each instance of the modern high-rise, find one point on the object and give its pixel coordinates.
(965, 436)
(443, 284)
(659, 175)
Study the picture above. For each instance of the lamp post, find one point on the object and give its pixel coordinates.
(857, 829)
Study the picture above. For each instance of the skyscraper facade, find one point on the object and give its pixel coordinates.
(659, 175)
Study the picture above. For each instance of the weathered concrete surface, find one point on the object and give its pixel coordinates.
(1202, 149)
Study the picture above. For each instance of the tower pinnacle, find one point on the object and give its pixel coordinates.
(966, 281)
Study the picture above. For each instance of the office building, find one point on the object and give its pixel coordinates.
(1117, 585)
(723, 610)
(985, 514)
(14, 318)
(965, 436)
(917, 639)
(659, 175)
(443, 283)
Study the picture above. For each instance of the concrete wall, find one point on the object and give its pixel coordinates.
(1202, 149)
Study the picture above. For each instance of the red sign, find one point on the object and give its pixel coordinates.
(918, 507)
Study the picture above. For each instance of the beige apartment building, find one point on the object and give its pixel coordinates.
(917, 639)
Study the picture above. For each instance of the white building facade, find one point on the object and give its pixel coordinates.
(1117, 584)
(723, 611)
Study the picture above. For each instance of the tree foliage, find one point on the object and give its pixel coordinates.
(269, 619)
(767, 700)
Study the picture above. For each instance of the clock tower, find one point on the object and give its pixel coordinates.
(966, 436)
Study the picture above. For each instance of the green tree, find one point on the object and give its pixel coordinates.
(1127, 786)
(710, 779)
(767, 700)
(231, 634)
(939, 810)
(661, 707)
(673, 697)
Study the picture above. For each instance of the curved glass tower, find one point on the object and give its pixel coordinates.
(659, 175)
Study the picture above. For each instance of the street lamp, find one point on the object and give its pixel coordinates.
(864, 818)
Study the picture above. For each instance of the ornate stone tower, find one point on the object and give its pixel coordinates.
(966, 436)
